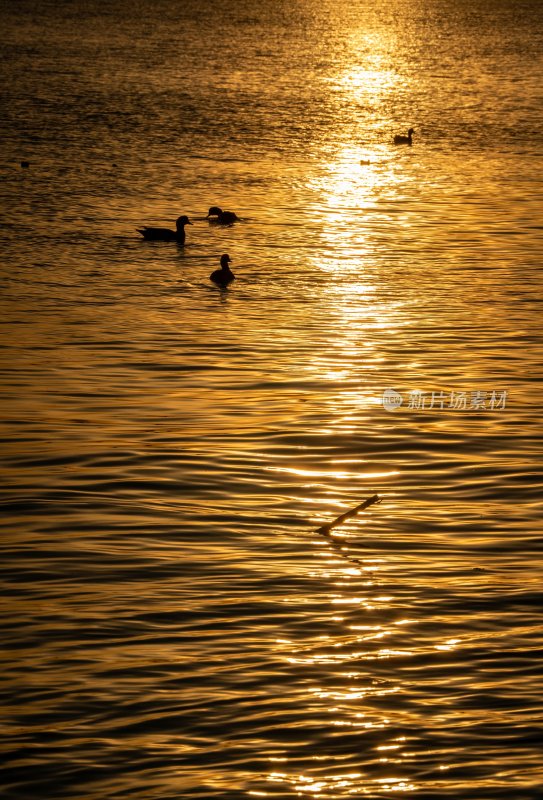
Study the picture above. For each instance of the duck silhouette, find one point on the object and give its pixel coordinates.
(405, 139)
(223, 276)
(220, 216)
(165, 234)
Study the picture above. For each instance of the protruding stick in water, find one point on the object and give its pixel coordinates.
(324, 530)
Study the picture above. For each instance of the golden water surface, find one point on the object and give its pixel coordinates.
(174, 627)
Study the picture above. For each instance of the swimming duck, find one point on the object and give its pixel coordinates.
(405, 139)
(223, 276)
(223, 217)
(165, 234)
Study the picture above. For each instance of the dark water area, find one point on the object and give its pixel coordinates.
(173, 626)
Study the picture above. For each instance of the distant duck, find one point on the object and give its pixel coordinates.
(223, 276)
(405, 139)
(165, 234)
(222, 217)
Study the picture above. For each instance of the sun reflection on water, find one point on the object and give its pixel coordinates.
(345, 695)
(357, 194)
(341, 672)
(363, 81)
(337, 785)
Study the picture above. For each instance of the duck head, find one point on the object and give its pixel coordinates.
(214, 211)
(180, 222)
(225, 260)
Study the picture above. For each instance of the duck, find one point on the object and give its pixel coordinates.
(222, 217)
(223, 276)
(165, 234)
(405, 139)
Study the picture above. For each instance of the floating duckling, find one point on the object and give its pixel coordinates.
(405, 139)
(165, 234)
(223, 276)
(222, 217)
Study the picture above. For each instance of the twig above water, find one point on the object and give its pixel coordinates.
(324, 530)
